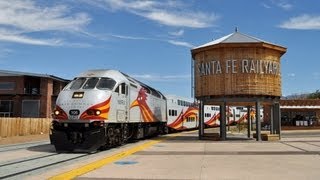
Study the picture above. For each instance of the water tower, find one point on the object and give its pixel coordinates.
(238, 70)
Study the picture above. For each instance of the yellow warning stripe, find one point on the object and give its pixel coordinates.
(107, 160)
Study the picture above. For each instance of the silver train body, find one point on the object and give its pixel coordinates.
(106, 108)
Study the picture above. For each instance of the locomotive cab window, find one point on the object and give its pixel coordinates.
(106, 83)
(77, 83)
(91, 83)
(122, 89)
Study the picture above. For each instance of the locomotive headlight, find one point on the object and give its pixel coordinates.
(78, 95)
(93, 112)
(56, 112)
(98, 112)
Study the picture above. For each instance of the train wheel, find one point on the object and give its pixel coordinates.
(125, 133)
(165, 130)
(118, 140)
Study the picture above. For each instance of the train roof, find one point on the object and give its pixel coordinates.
(119, 76)
(100, 73)
(171, 96)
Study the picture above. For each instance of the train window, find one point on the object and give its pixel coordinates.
(132, 85)
(155, 93)
(123, 88)
(173, 112)
(106, 83)
(215, 108)
(91, 83)
(76, 84)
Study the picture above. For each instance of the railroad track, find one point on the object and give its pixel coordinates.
(26, 160)
(35, 160)
(14, 147)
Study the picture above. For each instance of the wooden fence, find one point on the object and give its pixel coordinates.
(24, 126)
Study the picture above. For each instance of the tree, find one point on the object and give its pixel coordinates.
(315, 95)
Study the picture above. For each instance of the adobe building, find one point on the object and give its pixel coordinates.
(28, 94)
(238, 70)
(300, 112)
(296, 112)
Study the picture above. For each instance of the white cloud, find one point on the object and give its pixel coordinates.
(177, 33)
(302, 22)
(193, 20)
(283, 4)
(265, 5)
(20, 18)
(27, 40)
(291, 74)
(131, 5)
(181, 43)
(4, 52)
(173, 42)
(170, 13)
(129, 37)
(161, 78)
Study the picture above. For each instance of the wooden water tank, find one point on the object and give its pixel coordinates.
(237, 65)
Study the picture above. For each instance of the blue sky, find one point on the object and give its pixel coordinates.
(151, 40)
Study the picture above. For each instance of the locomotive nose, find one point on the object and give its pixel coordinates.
(77, 105)
(98, 108)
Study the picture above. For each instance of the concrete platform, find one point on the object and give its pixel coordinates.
(186, 157)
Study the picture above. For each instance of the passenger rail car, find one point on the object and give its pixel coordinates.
(105, 108)
(183, 113)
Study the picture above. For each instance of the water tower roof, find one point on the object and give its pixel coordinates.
(235, 37)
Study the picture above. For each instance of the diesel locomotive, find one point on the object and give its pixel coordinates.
(106, 108)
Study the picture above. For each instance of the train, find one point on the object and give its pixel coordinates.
(104, 108)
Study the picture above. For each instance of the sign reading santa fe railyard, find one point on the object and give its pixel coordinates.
(238, 66)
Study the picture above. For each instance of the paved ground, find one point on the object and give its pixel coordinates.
(186, 157)
(23, 139)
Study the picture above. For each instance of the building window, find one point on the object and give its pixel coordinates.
(7, 85)
(30, 108)
(6, 108)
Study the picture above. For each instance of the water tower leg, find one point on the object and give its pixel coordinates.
(248, 121)
(271, 120)
(258, 121)
(277, 119)
(201, 120)
(223, 132)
